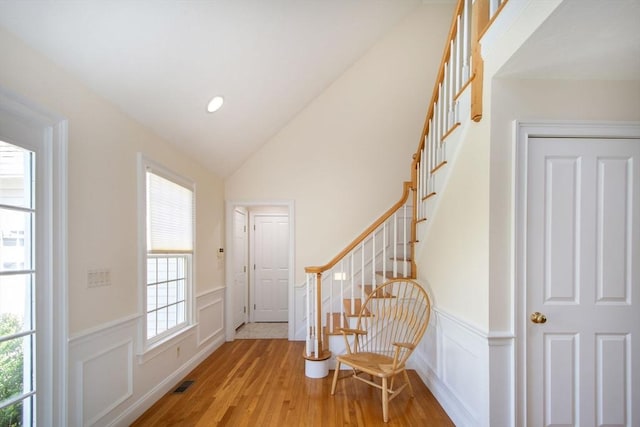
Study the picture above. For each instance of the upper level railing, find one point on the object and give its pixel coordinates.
(382, 251)
(461, 66)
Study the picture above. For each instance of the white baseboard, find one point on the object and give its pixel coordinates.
(449, 402)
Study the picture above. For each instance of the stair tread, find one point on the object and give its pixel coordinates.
(439, 166)
(337, 328)
(428, 196)
(357, 303)
(389, 275)
(368, 289)
(399, 258)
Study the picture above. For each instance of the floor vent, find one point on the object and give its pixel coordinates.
(183, 387)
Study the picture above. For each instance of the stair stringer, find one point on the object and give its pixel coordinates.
(453, 143)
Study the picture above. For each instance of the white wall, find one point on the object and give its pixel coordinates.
(344, 157)
(102, 216)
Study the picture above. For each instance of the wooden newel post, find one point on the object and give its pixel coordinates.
(479, 22)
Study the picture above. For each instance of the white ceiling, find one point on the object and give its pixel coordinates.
(162, 61)
(583, 40)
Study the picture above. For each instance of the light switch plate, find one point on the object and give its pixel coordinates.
(98, 277)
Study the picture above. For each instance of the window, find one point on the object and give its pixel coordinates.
(168, 231)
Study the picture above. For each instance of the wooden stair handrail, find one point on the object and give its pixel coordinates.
(407, 187)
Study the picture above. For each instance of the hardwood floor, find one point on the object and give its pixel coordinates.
(262, 383)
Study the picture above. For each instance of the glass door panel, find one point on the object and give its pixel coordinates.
(17, 285)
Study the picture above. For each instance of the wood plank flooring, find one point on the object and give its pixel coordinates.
(262, 383)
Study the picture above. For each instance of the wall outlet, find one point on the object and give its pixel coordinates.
(98, 277)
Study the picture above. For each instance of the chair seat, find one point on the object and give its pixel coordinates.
(372, 363)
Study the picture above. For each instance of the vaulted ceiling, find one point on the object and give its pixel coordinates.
(162, 61)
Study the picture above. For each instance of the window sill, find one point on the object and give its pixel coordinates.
(160, 347)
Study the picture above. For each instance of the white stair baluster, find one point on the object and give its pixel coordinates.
(395, 243)
(424, 164)
(384, 248)
(458, 54)
(343, 278)
(419, 188)
(362, 272)
(353, 299)
(443, 112)
(439, 132)
(432, 155)
(331, 285)
(452, 80)
(309, 345)
(466, 41)
(445, 99)
(373, 259)
(404, 227)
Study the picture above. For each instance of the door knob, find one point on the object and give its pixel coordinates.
(538, 317)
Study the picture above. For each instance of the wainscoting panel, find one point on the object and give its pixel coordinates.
(210, 317)
(466, 370)
(113, 390)
(101, 371)
(110, 385)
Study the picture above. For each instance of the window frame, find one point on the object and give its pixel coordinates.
(46, 133)
(150, 347)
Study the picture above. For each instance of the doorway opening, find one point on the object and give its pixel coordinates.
(259, 270)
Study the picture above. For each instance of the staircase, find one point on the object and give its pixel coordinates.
(336, 291)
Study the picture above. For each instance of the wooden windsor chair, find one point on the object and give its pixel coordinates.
(391, 323)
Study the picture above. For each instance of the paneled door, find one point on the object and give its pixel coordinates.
(271, 268)
(582, 289)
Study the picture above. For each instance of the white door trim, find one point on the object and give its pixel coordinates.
(54, 307)
(246, 260)
(523, 131)
(228, 298)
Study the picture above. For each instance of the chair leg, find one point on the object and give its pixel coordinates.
(385, 400)
(335, 378)
(406, 378)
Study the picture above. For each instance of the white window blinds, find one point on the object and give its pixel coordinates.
(169, 216)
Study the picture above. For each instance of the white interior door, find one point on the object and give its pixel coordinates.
(240, 266)
(582, 265)
(271, 268)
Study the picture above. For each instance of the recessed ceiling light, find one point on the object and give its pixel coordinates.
(215, 104)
